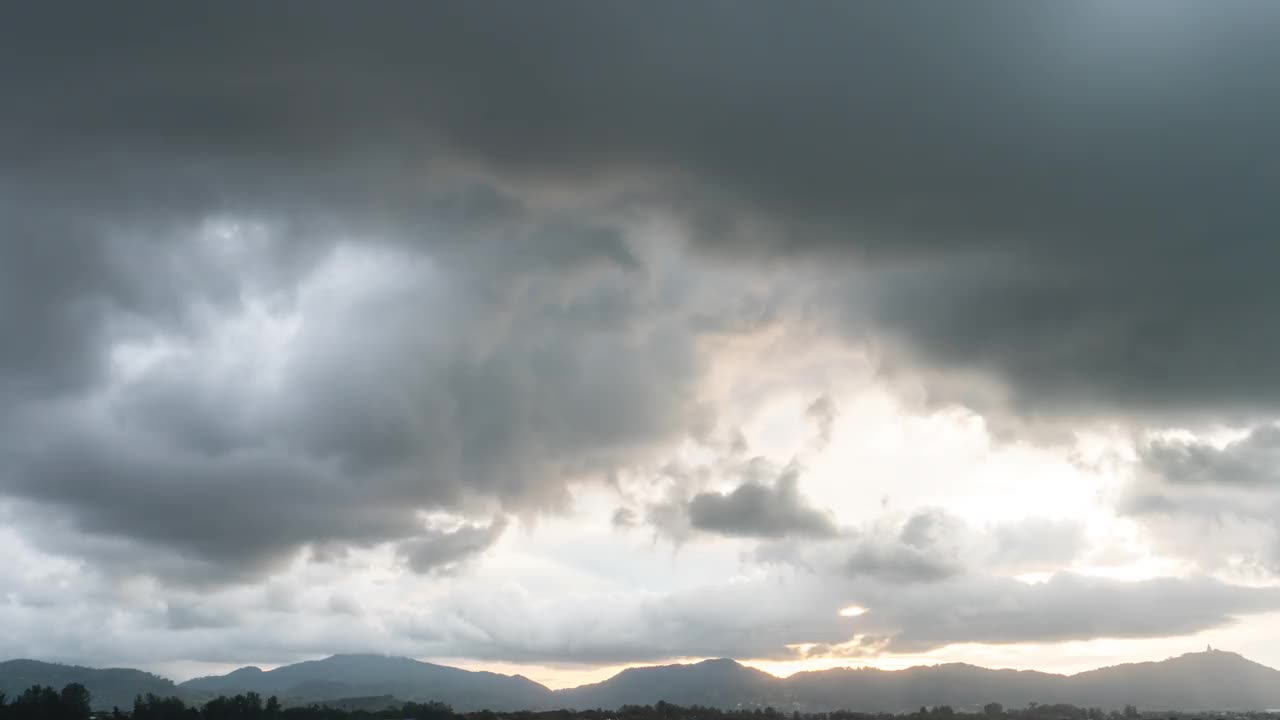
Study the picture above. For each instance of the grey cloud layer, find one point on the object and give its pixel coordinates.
(766, 619)
(488, 617)
(1070, 608)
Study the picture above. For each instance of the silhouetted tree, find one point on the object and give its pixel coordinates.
(75, 702)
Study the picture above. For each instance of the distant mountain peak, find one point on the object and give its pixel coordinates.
(1209, 657)
(1215, 652)
(721, 665)
(1216, 657)
(720, 661)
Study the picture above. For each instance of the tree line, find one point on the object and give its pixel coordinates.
(73, 703)
(40, 702)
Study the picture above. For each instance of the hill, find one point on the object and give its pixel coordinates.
(1212, 680)
(956, 684)
(717, 683)
(108, 687)
(345, 676)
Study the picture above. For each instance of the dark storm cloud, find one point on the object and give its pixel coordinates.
(493, 351)
(1072, 199)
(244, 511)
(213, 362)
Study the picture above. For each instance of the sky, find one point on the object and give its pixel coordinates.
(558, 337)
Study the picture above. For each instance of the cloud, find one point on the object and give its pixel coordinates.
(928, 548)
(380, 381)
(1068, 607)
(931, 545)
(1210, 503)
(823, 412)
(497, 613)
(1036, 545)
(624, 518)
(757, 510)
(775, 616)
(344, 605)
(444, 550)
(196, 617)
(1249, 462)
(899, 563)
(765, 504)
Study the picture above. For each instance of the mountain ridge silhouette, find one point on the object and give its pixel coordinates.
(1210, 680)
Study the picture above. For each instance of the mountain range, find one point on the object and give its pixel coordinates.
(1211, 680)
